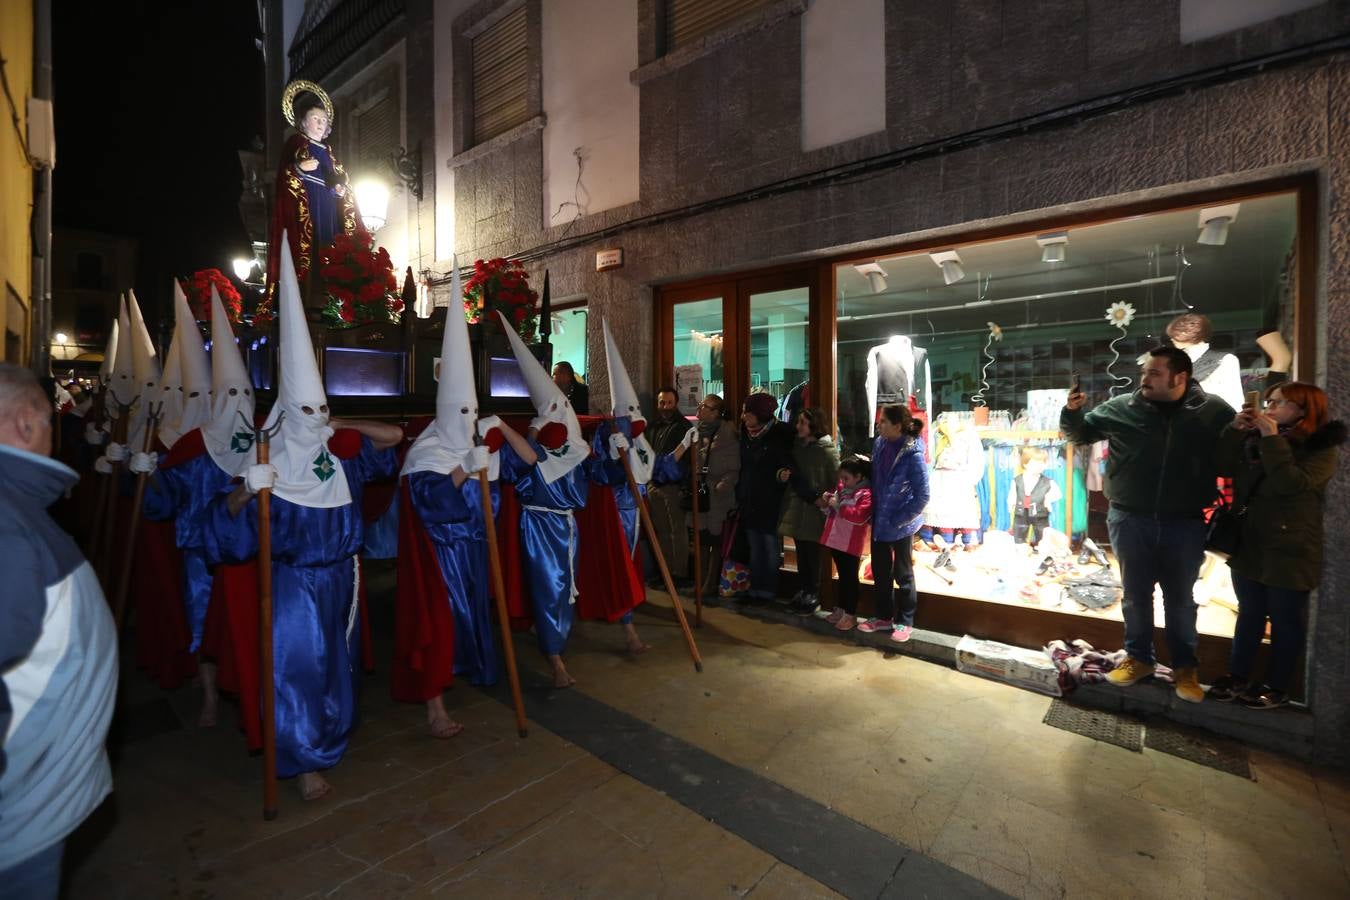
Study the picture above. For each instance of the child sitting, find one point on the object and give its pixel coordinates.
(849, 513)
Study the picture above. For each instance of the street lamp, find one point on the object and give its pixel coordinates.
(61, 337)
(372, 198)
(242, 268)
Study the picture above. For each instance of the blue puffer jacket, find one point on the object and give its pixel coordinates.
(900, 494)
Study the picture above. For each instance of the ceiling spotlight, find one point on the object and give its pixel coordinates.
(1214, 223)
(876, 275)
(1053, 246)
(950, 264)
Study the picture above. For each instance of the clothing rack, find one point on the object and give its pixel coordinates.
(1024, 438)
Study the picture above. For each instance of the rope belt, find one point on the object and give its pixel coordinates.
(571, 545)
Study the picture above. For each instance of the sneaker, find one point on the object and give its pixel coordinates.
(1188, 686)
(1262, 697)
(943, 558)
(847, 622)
(1129, 672)
(834, 617)
(806, 606)
(902, 634)
(872, 626)
(1226, 689)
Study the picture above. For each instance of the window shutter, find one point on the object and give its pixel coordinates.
(500, 77)
(689, 20)
(377, 131)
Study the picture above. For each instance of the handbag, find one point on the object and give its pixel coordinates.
(1224, 535)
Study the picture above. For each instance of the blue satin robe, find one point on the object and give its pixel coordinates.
(182, 493)
(548, 542)
(316, 637)
(453, 518)
(382, 534)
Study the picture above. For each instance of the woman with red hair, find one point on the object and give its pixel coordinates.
(1280, 459)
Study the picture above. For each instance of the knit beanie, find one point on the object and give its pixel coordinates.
(762, 406)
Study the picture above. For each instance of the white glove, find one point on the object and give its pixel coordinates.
(143, 463)
(689, 437)
(476, 460)
(617, 444)
(487, 423)
(259, 476)
(93, 434)
(102, 466)
(115, 452)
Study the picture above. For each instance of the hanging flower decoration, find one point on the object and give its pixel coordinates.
(502, 285)
(995, 334)
(359, 281)
(1120, 314)
(198, 286)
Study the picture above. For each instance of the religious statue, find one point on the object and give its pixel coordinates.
(314, 201)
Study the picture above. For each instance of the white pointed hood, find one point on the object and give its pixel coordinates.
(551, 406)
(228, 438)
(109, 355)
(192, 360)
(624, 403)
(122, 385)
(170, 391)
(308, 474)
(442, 447)
(145, 366)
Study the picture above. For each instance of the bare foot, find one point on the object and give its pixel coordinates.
(313, 786)
(210, 696)
(439, 722)
(636, 647)
(561, 679)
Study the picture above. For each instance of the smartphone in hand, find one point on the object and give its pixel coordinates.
(1254, 400)
(1077, 386)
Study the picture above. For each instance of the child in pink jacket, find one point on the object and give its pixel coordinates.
(847, 523)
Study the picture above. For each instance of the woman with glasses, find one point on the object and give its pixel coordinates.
(1280, 460)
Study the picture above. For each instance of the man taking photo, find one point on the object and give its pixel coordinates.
(1160, 477)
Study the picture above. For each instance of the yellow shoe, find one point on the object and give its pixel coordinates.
(1128, 672)
(1188, 686)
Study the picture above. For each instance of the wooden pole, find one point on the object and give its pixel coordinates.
(698, 542)
(265, 665)
(661, 562)
(124, 579)
(499, 592)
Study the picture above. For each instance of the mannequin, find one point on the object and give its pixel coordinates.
(897, 370)
(1219, 374)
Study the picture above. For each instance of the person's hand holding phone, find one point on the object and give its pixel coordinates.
(1076, 399)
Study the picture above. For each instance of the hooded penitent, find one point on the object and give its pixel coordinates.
(307, 473)
(624, 403)
(122, 384)
(228, 436)
(109, 354)
(170, 391)
(196, 397)
(442, 447)
(559, 432)
(145, 369)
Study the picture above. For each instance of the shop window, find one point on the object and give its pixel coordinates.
(501, 76)
(569, 339)
(685, 21)
(779, 347)
(699, 344)
(983, 341)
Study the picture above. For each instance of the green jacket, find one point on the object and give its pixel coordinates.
(815, 468)
(1281, 544)
(1159, 464)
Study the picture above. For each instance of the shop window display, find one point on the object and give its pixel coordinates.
(983, 341)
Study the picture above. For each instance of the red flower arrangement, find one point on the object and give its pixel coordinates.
(360, 282)
(198, 291)
(501, 284)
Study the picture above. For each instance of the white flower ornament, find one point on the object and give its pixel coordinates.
(1120, 314)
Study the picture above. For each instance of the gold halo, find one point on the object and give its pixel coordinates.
(294, 88)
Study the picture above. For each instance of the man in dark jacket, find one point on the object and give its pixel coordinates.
(1160, 476)
(665, 432)
(58, 654)
(766, 450)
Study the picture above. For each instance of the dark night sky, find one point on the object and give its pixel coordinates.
(153, 101)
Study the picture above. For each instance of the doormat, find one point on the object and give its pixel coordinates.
(1200, 747)
(1098, 725)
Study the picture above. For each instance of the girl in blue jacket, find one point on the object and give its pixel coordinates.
(899, 495)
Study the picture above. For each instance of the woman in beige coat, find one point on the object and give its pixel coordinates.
(719, 462)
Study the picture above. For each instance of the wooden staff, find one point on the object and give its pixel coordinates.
(104, 526)
(698, 542)
(262, 440)
(124, 580)
(660, 559)
(499, 592)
